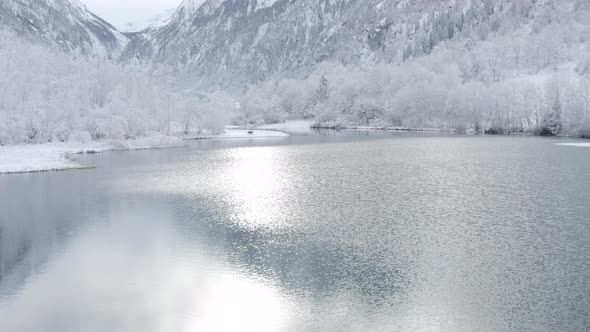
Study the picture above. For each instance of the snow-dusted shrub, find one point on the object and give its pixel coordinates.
(60, 133)
(96, 123)
(213, 114)
(79, 136)
(585, 129)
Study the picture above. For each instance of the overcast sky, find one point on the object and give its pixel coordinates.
(121, 12)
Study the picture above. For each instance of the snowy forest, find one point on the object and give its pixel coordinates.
(519, 68)
(50, 96)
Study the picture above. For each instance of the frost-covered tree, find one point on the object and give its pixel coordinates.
(552, 123)
(47, 96)
(320, 96)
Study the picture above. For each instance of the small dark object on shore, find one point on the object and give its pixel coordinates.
(544, 131)
(250, 132)
(495, 131)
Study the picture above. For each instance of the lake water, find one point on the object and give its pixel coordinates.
(328, 232)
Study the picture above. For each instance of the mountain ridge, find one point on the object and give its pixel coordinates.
(216, 43)
(63, 24)
(220, 41)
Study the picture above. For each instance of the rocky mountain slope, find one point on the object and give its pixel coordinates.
(63, 24)
(220, 41)
(216, 43)
(152, 22)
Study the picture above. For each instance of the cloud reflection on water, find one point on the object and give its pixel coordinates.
(132, 274)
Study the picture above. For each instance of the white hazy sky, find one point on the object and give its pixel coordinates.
(121, 12)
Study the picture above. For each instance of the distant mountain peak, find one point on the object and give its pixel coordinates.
(188, 8)
(191, 6)
(63, 24)
(155, 21)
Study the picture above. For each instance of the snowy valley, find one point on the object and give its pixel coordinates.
(479, 66)
(294, 165)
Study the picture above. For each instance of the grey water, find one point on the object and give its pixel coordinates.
(323, 232)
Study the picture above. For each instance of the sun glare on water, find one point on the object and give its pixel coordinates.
(260, 184)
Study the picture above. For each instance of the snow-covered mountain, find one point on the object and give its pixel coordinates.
(64, 24)
(236, 40)
(152, 22)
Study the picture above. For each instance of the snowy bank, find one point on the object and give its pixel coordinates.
(241, 133)
(57, 156)
(289, 125)
(584, 145)
(233, 132)
(293, 127)
(374, 128)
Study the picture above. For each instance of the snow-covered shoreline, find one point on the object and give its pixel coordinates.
(580, 145)
(240, 133)
(372, 128)
(33, 158)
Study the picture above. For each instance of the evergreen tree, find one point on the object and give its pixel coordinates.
(321, 94)
(320, 97)
(552, 124)
(553, 121)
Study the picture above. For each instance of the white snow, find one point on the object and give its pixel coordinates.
(294, 127)
(242, 133)
(584, 145)
(58, 156)
(188, 7)
(264, 4)
(36, 158)
(143, 23)
(61, 156)
(299, 124)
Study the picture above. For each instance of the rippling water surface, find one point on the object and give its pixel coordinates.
(323, 233)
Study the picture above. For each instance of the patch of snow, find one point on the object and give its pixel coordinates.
(58, 156)
(294, 127)
(298, 124)
(239, 133)
(189, 7)
(157, 21)
(583, 145)
(155, 141)
(264, 4)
